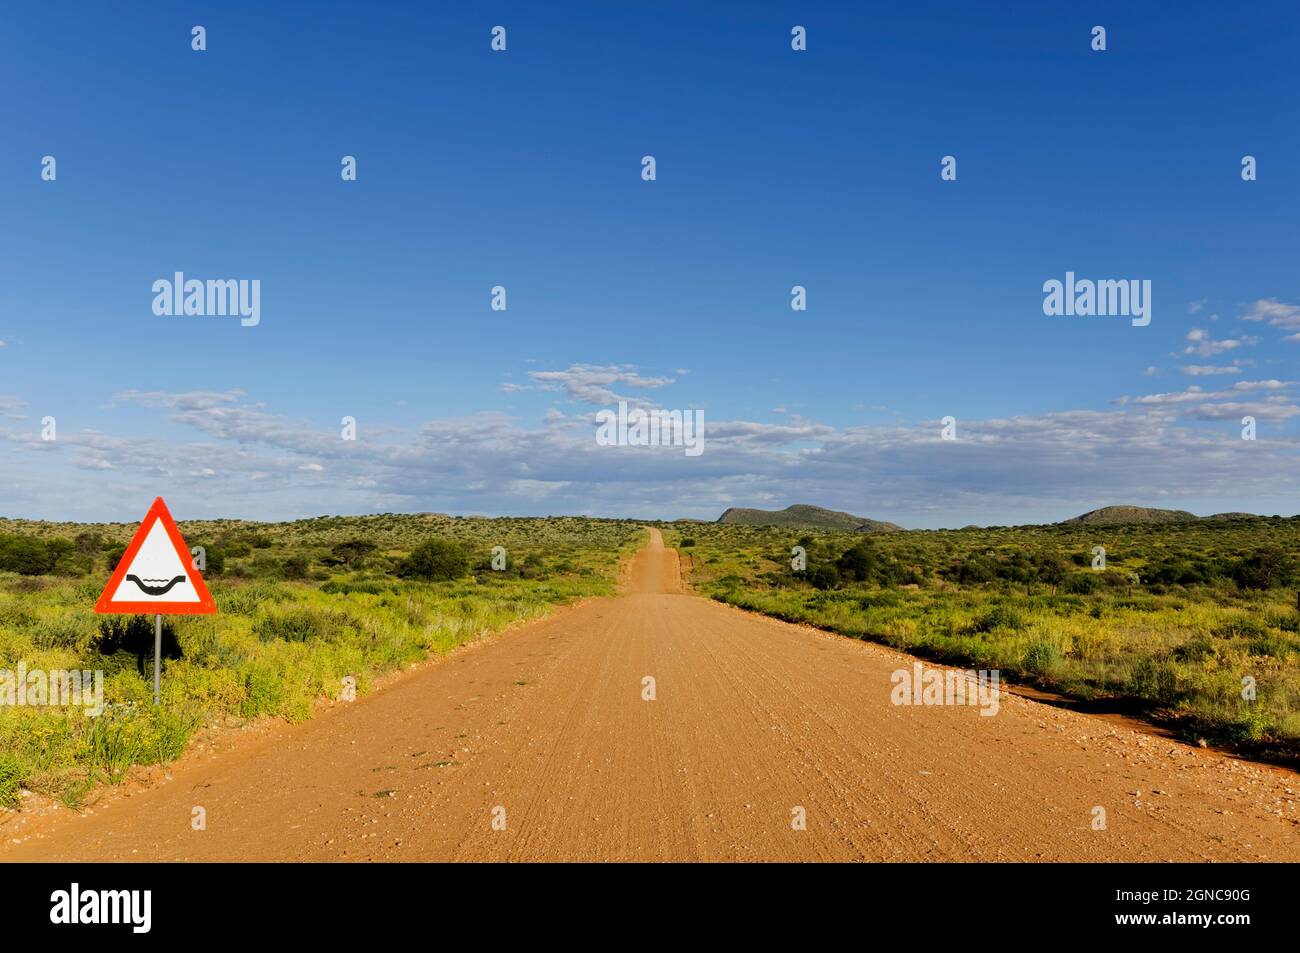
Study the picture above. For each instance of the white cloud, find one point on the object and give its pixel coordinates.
(1204, 345)
(250, 461)
(11, 408)
(1262, 385)
(1235, 411)
(1276, 313)
(592, 384)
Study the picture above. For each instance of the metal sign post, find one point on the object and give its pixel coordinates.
(157, 657)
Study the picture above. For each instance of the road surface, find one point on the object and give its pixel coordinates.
(538, 745)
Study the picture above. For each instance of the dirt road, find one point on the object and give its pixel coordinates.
(545, 728)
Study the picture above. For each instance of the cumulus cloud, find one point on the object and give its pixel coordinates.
(1276, 313)
(242, 458)
(593, 384)
(1204, 345)
(1235, 411)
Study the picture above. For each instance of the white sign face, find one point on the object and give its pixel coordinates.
(156, 574)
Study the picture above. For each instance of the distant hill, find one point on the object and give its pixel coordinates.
(1120, 515)
(803, 516)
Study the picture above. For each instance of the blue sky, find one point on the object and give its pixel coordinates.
(522, 169)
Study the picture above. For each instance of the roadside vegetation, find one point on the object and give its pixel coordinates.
(1180, 621)
(300, 606)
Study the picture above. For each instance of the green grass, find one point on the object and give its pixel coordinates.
(278, 644)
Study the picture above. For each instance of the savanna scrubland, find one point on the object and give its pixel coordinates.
(301, 606)
(1181, 619)
(1182, 622)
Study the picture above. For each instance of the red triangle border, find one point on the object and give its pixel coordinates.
(205, 605)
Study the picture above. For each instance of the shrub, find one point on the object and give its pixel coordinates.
(135, 634)
(434, 560)
(11, 779)
(974, 570)
(1042, 656)
(858, 563)
(295, 567)
(823, 576)
(1247, 626)
(999, 617)
(1082, 583)
(1196, 649)
(1155, 679)
(344, 587)
(1273, 644)
(1264, 569)
(302, 625)
(27, 556)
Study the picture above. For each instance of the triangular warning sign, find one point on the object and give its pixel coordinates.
(156, 574)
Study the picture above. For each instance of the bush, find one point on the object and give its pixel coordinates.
(1082, 583)
(27, 556)
(1179, 571)
(1041, 656)
(435, 560)
(1264, 569)
(343, 587)
(295, 567)
(214, 560)
(303, 625)
(1248, 626)
(824, 576)
(686, 542)
(975, 570)
(11, 779)
(857, 563)
(999, 617)
(135, 634)
(1197, 649)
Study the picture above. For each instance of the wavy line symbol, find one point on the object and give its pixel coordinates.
(155, 587)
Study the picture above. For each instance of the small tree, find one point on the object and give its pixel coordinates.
(435, 560)
(353, 552)
(824, 576)
(295, 567)
(858, 563)
(1052, 569)
(1263, 569)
